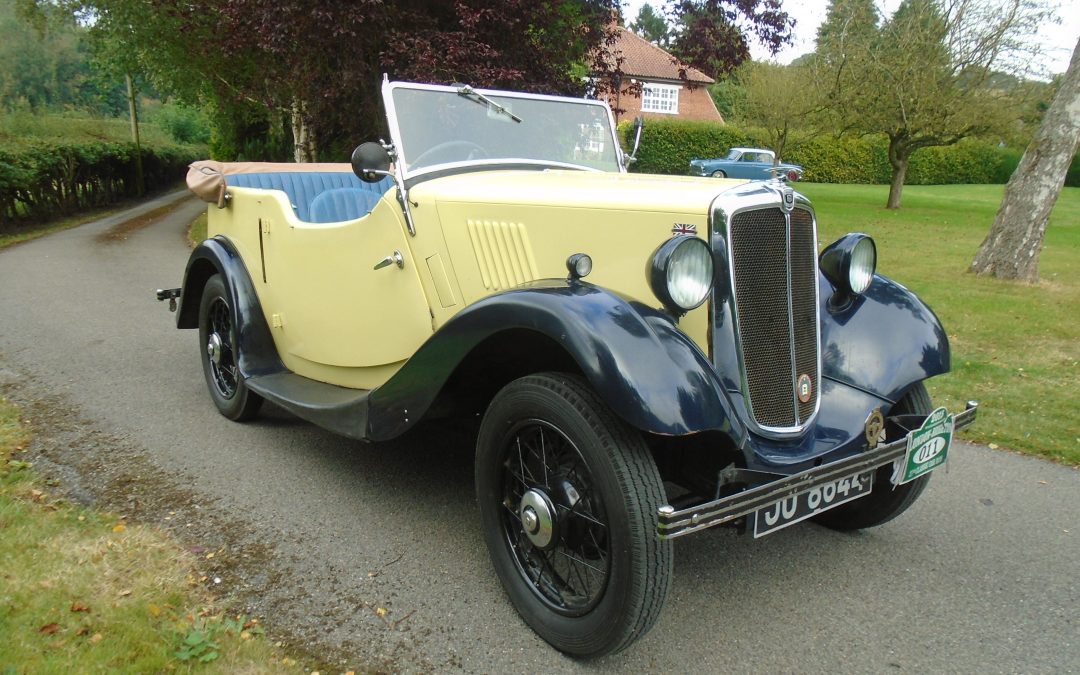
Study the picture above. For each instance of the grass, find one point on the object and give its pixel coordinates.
(196, 233)
(1014, 346)
(83, 591)
(75, 127)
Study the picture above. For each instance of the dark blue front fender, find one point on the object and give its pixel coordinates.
(884, 342)
(649, 372)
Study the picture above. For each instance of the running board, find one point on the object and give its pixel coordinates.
(339, 409)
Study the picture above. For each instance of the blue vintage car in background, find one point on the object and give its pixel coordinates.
(751, 163)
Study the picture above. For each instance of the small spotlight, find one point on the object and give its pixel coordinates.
(579, 265)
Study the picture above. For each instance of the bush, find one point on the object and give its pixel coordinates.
(183, 124)
(41, 179)
(667, 146)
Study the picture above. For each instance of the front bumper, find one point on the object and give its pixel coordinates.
(674, 523)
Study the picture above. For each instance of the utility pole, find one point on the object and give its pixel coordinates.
(140, 185)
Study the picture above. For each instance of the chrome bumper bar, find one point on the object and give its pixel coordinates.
(674, 523)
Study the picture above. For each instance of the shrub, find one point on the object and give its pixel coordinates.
(667, 146)
(41, 179)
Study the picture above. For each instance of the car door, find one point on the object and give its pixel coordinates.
(345, 296)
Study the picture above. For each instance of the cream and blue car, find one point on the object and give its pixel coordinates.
(748, 163)
(644, 356)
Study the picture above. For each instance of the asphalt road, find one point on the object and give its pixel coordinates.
(981, 575)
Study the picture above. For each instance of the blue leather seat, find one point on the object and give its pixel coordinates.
(302, 187)
(333, 206)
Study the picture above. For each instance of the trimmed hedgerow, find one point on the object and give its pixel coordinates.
(41, 179)
(667, 146)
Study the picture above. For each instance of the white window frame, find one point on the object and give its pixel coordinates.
(660, 98)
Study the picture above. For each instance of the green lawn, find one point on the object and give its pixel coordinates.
(1015, 347)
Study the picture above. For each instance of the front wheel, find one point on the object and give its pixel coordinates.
(719, 174)
(886, 501)
(568, 496)
(217, 338)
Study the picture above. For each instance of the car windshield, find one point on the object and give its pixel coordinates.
(734, 154)
(437, 126)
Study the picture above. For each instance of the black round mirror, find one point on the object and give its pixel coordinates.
(368, 158)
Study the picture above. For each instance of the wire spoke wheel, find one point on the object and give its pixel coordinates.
(220, 356)
(568, 496)
(570, 570)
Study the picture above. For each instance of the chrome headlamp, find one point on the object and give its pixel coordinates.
(849, 264)
(681, 273)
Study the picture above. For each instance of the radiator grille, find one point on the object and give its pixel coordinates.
(776, 309)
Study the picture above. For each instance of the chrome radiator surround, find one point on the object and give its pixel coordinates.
(770, 201)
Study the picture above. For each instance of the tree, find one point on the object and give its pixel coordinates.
(1011, 249)
(778, 100)
(923, 77)
(708, 33)
(651, 26)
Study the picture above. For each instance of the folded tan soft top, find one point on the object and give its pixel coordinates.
(207, 178)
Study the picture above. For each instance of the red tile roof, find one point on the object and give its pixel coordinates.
(643, 59)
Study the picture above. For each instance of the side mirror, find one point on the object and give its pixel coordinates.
(639, 124)
(370, 162)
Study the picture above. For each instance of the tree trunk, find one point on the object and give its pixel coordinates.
(898, 159)
(1011, 250)
(303, 138)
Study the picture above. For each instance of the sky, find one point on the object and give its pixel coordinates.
(1060, 39)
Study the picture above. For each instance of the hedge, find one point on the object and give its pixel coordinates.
(44, 179)
(667, 146)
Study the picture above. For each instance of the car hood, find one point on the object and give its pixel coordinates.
(578, 189)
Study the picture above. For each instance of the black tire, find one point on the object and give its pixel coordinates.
(719, 174)
(601, 581)
(217, 341)
(886, 501)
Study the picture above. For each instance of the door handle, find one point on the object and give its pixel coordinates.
(393, 259)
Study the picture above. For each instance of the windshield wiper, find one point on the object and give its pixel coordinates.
(470, 93)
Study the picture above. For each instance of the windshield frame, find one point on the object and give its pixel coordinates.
(485, 164)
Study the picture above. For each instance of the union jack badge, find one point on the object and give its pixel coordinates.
(684, 228)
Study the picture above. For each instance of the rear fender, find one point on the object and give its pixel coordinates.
(257, 354)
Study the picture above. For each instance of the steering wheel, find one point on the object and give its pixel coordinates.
(475, 151)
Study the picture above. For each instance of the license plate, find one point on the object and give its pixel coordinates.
(801, 506)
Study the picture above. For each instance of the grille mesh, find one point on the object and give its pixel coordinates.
(759, 252)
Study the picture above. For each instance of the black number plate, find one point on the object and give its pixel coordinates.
(801, 506)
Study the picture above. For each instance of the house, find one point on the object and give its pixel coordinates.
(663, 93)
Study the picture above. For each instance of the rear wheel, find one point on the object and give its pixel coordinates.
(568, 499)
(886, 501)
(217, 337)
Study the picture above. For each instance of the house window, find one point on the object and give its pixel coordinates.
(660, 98)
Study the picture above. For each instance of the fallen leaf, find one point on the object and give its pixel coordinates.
(79, 607)
(993, 446)
(155, 611)
(124, 593)
(210, 555)
(49, 628)
(58, 644)
(382, 611)
(288, 662)
(97, 637)
(82, 517)
(119, 527)
(244, 635)
(249, 624)
(37, 495)
(1042, 482)
(85, 630)
(350, 672)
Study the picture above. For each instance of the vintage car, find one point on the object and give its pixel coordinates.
(749, 163)
(644, 356)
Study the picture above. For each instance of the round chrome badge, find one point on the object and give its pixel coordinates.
(806, 388)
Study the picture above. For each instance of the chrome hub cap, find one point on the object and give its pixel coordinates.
(537, 518)
(213, 349)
